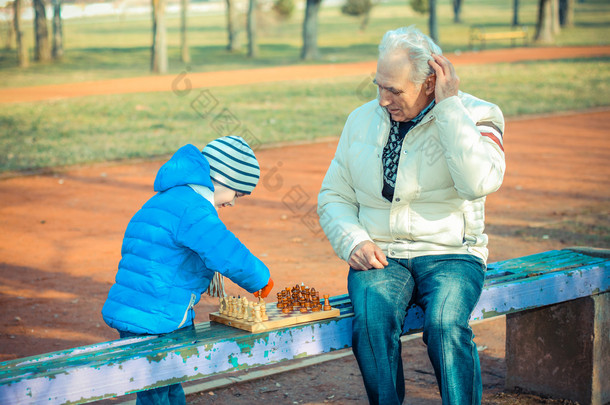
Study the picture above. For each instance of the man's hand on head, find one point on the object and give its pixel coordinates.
(447, 80)
(367, 255)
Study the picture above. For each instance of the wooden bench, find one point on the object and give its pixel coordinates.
(480, 34)
(124, 366)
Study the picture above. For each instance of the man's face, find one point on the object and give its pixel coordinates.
(402, 98)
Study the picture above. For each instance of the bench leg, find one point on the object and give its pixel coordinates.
(561, 350)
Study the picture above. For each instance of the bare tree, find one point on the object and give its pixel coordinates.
(42, 52)
(515, 13)
(566, 13)
(310, 30)
(252, 42)
(9, 24)
(432, 21)
(184, 48)
(22, 54)
(359, 8)
(457, 11)
(58, 33)
(544, 24)
(158, 59)
(555, 17)
(427, 6)
(232, 27)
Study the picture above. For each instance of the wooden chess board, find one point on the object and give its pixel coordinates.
(277, 319)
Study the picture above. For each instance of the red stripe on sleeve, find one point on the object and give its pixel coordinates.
(494, 138)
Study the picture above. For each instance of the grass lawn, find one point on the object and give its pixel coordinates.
(101, 128)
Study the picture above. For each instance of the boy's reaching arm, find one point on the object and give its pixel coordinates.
(203, 232)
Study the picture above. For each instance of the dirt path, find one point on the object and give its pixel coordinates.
(60, 239)
(61, 234)
(273, 74)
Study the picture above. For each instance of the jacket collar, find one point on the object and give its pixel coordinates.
(205, 192)
(423, 115)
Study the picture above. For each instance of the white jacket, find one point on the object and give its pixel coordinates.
(448, 163)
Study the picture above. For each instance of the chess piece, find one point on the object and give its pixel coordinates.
(250, 316)
(256, 309)
(280, 301)
(264, 315)
(244, 308)
(225, 305)
(231, 309)
(221, 309)
(327, 306)
(239, 309)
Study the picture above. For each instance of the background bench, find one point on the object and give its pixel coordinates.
(125, 366)
(483, 35)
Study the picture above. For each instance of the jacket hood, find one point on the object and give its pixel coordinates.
(186, 166)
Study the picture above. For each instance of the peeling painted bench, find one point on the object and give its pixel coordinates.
(536, 283)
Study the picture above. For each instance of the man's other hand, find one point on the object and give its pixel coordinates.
(367, 255)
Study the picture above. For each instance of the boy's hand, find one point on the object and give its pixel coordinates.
(265, 291)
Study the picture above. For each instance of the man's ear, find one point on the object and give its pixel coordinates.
(430, 84)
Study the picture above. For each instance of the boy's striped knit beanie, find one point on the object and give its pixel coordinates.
(232, 163)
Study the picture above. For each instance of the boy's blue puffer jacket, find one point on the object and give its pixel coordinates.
(171, 249)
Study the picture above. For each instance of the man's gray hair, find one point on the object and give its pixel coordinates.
(419, 47)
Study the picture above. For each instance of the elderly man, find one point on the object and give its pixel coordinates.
(403, 204)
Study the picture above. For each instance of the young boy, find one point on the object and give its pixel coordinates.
(176, 242)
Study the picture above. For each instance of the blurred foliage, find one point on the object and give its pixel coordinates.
(356, 7)
(420, 6)
(284, 9)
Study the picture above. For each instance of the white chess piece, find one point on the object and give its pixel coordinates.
(250, 311)
(264, 315)
(257, 314)
(240, 309)
(231, 312)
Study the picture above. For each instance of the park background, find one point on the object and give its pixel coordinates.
(75, 166)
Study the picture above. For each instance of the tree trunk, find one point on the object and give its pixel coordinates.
(22, 54)
(366, 18)
(310, 30)
(457, 11)
(566, 13)
(544, 31)
(432, 22)
(232, 29)
(252, 43)
(515, 13)
(159, 46)
(10, 31)
(42, 51)
(184, 47)
(555, 17)
(58, 33)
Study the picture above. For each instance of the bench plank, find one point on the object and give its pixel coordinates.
(478, 33)
(128, 365)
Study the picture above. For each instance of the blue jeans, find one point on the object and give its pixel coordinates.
(168, 395)
(447, 287)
